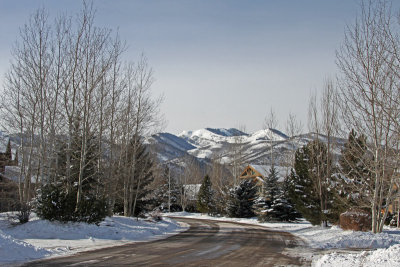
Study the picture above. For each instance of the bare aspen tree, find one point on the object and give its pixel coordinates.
(330, 125)
(270, 122)
(221, 182)
(112, 130)
(139, 116)
(293, 128)
(368, 93)
(26, 94)
(318, 181)
(189, 177)
(323, 123)
(66, 92)
(236, 154)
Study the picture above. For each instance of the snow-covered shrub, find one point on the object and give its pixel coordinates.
(55, 203)
(23, 213)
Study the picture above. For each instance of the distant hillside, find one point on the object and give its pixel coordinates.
(259, 148)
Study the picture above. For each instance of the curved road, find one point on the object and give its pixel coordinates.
(205, 243)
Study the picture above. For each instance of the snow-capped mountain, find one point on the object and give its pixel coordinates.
(260, 147)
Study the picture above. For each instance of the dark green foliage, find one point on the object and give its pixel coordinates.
(285, 208)
(353, 160)
(271, 186)
(304, 197)
(273, 204)
(205, 197)
(310, 184)
(57, 200)
(22, 215)
(242, 199)
(143, 178)
(54, 203)
(167, 188)
(389, 218)
(92, 209)
(263, 205)
(355, 182)
(138, 171)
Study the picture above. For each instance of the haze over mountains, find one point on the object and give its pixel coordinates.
(258, 148)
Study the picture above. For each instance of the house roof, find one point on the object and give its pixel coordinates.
(262, 171)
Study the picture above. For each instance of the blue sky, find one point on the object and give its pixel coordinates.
(218, 63)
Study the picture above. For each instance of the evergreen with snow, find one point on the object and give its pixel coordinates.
(205, 203)
(312, 189)
(265, 201)
(167, 193)
(139, 163)
(241, 200)
(354, 179)
(273, 204)
(302, 191)
(57, 199)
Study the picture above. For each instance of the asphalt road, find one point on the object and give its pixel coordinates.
(205, 243)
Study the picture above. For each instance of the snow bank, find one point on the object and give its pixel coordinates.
(40, 238)
(381, 257)
(335, 237)
(12, 249)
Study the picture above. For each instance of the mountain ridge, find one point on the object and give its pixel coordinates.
(260, 147)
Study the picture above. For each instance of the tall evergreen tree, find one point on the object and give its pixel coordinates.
(241, 200)
(284, 207)
(137, 169)
(274, 203)
(263, 205)
(57, 199)
(310, 187)
(355, 181)
(143, 178)
(167, 193)
(205, 196)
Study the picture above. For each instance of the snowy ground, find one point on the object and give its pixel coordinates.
(327, 247)
(333, 246)
(38, 238)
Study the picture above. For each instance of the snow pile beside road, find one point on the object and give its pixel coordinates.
(335, 237)
(380, 257)
(40, 238)
(11, 248)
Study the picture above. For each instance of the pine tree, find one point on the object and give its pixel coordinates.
(267, 197)
(355, 181)
(143, 178)
(205, 197)
(136, 176)
(242, 199)
(57, 199)
(282, 207)
(168, 190)
(302, 190)
(274, 204)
